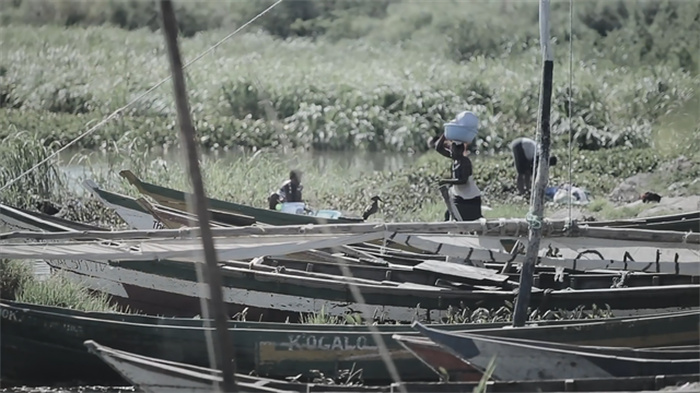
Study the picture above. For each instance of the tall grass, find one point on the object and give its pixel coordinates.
(13, 277)
(18, 153)
(18, 283)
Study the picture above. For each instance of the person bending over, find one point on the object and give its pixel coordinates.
(524, 151)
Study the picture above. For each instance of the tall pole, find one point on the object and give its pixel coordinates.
(537, 209)
(199, 204)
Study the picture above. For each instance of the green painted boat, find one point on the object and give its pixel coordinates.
(176, 200)
(51, 339)
(683, 222)
(137, 216)
(157, 375)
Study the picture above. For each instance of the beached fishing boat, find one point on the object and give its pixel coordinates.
(143, 280)
(15, 218)
(176, 199)
(689, 221)
(170, 287)
(138, 216)
(575, 253)
(51, 339)
(445, 363)
(414, 271)
(523, 360)
(155, 375)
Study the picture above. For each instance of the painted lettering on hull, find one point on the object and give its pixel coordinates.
(322, 348)
(10, 315)
(310, 342)
(66, 327)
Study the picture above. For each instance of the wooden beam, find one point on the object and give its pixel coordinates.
(489, 228)
(522, 301)
(198, 204)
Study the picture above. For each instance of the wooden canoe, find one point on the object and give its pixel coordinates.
(176, 199)
(523, 360)
(671, 222)
(153, 375)
(137, 216)
(21, 219)
(51, 339)
(168, 287)
(445, 362)
(449, 276)
(146, 286)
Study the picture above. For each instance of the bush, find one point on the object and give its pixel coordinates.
(345, 96)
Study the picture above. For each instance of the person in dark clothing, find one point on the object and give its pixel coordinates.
(273, 200)
(465, 196)
(291, 189)
(526, 155)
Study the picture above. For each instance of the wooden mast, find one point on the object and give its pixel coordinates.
(537, 210)
(199, 204)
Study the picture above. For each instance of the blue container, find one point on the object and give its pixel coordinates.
(460, 133)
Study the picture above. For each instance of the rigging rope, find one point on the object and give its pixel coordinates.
(571, 92)
(135, 100)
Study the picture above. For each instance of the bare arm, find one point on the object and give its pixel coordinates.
(440, 147)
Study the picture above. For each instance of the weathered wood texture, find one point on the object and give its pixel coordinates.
(542, 176)
(513, 227)
(197, 203)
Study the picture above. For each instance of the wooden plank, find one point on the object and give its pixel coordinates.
(410, 285)
(461, 271)
(198, 203)
(176, 249)
(484, 228)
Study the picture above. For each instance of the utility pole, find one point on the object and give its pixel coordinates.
(526, 274)
(199, 204)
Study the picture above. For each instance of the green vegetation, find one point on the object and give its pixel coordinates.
(19, 152)
(18, 283)
(13, 276)
(322, 318)
(415, 67)
(346, 75)
(505, 314)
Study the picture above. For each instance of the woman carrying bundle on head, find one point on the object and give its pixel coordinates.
(464, 200)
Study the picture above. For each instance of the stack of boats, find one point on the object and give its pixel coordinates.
(279, 268)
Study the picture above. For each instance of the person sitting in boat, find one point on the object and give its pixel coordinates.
(273, 200)
(292, 188)
(465, 196)
(525, 155)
